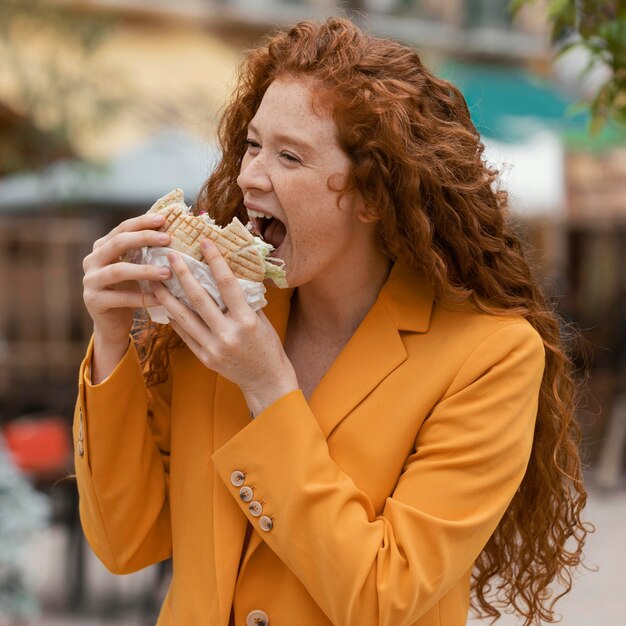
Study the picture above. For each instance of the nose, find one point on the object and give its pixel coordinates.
(254, 173)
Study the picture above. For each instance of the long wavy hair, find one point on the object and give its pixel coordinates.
(417, 161)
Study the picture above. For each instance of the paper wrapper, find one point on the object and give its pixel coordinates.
(253, 291)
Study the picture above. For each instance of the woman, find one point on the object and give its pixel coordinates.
(395, 429)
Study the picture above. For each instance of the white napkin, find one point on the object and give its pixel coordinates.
(253, 291)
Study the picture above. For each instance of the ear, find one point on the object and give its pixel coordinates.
(367, 214)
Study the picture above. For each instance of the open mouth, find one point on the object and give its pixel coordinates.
(268, 228)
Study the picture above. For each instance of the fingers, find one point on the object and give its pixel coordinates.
(186, 319)
(212, 335)
(109, 251)
(116, 273)
(135, 232)
(193, 345)
(107, 300)
(198, 298)
(147, 221)
(226, 281)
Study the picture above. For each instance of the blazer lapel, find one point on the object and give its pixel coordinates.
(375, 349)
(230, 415)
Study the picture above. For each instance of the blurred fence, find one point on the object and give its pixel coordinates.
(44, 327)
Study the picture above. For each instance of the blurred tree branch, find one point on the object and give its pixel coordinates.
(599, 27)
(58, 88)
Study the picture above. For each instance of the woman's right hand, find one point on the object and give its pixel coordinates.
(111, 292)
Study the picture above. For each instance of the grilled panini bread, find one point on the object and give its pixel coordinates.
(245, 254)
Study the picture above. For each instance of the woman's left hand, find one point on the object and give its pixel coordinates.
(241, 344)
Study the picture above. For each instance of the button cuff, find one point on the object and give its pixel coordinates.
(246, 494)
(237, 478)
(255, 508)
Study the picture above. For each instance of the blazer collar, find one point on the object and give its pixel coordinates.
(376, 348)
(404, 305)
(407, 297)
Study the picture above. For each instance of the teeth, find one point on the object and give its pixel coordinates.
(252, 214)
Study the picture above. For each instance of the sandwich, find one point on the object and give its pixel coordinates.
(247, 255)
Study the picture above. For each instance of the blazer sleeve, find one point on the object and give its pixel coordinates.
(469, 458)
(121, 456)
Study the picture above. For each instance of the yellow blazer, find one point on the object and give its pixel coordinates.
(368, 504)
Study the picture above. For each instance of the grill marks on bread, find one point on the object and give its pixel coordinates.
(234, 241)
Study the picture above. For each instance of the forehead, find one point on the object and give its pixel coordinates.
(290, 106)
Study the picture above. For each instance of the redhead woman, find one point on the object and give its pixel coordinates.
(393, 435)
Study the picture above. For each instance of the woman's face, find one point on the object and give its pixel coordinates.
(291, 166)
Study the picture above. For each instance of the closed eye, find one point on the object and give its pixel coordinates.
(290, 157)
(251, 143)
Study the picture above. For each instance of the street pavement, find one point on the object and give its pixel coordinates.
(598, 597)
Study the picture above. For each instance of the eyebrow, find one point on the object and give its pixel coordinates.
(301, 144)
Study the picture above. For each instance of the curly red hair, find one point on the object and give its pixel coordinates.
(417, 161)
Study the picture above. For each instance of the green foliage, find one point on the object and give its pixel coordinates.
(598, 26)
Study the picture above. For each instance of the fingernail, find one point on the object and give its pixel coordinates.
(157, 219)
(163, 238)
(172, 257)
(164, 271)
(206, 244)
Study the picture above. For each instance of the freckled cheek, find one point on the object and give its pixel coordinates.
(311, 245)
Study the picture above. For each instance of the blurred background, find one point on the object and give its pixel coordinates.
(107, 105)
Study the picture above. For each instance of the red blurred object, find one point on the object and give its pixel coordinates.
(39, 446)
